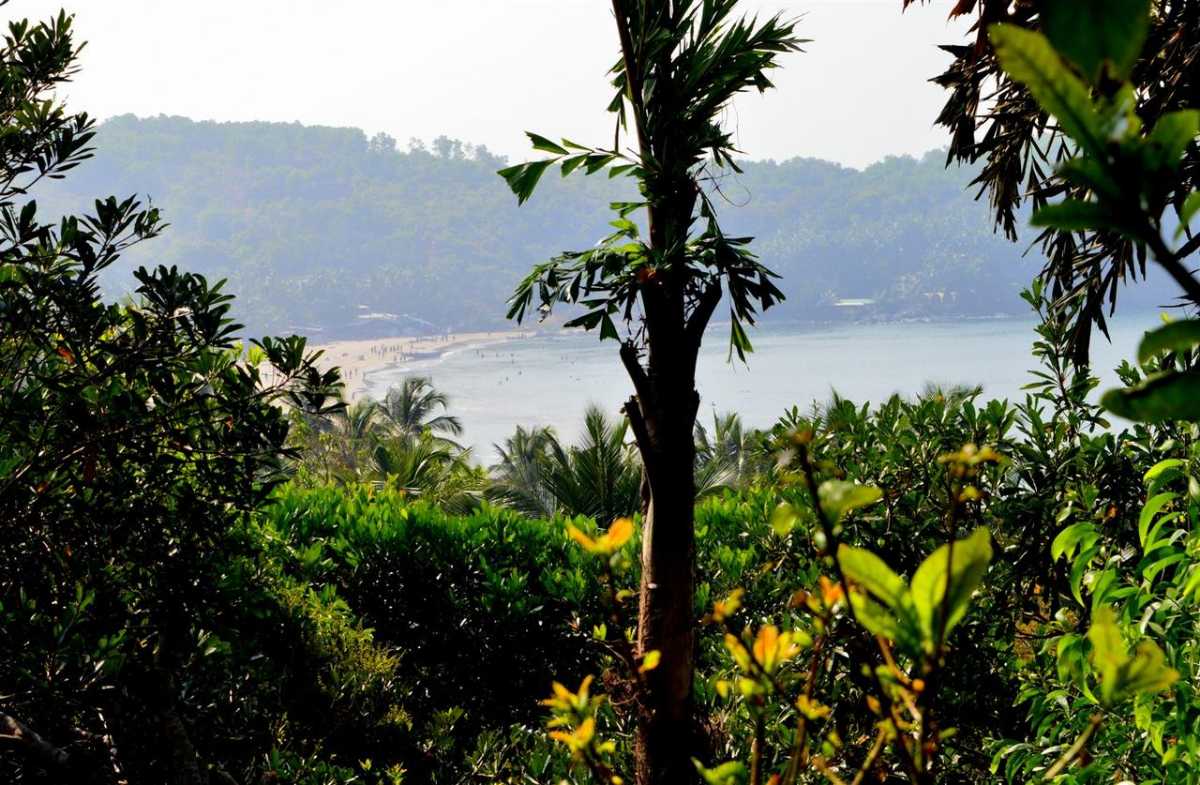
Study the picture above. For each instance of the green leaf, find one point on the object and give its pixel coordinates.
(1153, 507)
(731, 773)
(939, 610)
(1072, 215)
(1173, 337)
(1108, 651)
(1029, 58)
(1191, 206)
(523, 178)
(783, 519)
(1148, 672)
(1091, 33)
(1072, 538)
(839, 497)
(1170, 138)
(545, 145)
(1155, 471)
(1165, 396)
(875, 617)
(873, 574)
(608, 330)
(1091, 174)
(738, 340)
(1122, 675)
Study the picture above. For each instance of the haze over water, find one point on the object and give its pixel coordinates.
(550, 378)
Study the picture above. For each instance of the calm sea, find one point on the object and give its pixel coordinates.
(549, 379)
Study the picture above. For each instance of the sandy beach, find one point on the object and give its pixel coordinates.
(358, 359)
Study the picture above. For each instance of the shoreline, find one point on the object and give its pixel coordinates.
(358, 359)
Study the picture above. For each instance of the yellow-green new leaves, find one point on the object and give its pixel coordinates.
(919, 617)
(563, 703)
(769, 649)
(608, 543)
(1121, 674)
(731, 773)
(573, 721)
(839, 497)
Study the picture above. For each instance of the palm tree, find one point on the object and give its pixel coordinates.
(520, 478)
(347, 436)
(538, 476)
(410, 409)
(724, 459)
(601, 477)
(429, 468)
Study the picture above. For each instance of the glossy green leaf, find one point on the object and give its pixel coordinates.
(1091, 33)
(1173, 337)
(1072, 215)
(783, 519)
(1170, 138)
(942, 586)
(1154, 505)
(1075, 537)
(872, 573)
(1029, 58)
(875, 618)
(1191, 206)
(1156, 471)
(1166, 396)
(839, 497)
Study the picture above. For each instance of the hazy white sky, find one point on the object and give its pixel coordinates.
(485, 70)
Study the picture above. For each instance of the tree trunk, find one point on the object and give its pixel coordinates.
(667, 739)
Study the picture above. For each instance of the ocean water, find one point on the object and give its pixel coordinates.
(549, 378)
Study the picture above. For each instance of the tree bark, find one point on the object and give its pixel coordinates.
(663, 416)
(665, 741)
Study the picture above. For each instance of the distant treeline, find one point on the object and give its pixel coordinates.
(317, 228)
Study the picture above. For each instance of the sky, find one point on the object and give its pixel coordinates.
(485, 71)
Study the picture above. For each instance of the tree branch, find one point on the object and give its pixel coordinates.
(707, 304)
(14, 733)
(1171, 262)
(637, 374)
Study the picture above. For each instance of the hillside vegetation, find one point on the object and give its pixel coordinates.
(315, 227)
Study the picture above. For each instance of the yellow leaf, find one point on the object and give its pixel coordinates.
(608, 543)
(587, 542)
(831, 591)
(811, 708)
(723, 609)
(650, 661)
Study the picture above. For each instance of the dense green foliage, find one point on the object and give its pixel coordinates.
(308, 224)
(213, 572)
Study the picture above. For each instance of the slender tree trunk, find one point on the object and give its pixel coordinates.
(667, 739)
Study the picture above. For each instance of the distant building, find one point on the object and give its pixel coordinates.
(853, 302)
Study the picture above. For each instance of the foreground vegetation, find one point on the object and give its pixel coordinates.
(213, 570)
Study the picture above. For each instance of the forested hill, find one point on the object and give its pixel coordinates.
(318, 227)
